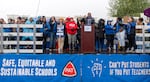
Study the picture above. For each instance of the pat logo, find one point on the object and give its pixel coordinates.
(69, 70)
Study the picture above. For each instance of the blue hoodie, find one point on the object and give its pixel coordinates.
(29, 22)
(46, 28)
(131, 28)
(118, 26)
(28, 30)
(149, 28)
(109, 29)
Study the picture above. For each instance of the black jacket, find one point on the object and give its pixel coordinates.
(99, 29)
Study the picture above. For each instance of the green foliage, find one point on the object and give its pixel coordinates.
(120, 8)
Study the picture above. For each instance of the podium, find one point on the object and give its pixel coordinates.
(88, 39)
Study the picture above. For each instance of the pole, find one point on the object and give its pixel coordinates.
(38, 6)
(143, 31)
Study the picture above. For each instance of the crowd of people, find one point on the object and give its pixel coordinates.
(67, 32)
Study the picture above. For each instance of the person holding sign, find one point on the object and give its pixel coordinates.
(60, 35)
(71, 27)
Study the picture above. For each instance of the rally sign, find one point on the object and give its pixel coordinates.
(116, 68)
(39, 68)
(75, 68)
(147, 12)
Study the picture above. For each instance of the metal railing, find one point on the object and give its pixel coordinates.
(11, 38)
(11, 41)
(143, 39)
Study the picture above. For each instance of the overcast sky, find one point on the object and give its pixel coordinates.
(98, 8)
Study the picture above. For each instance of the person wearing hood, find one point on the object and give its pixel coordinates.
(110, 32)
(39, 20)
(99, 35)
(30, 21)
(120, 33)
(53, 30)
(28, 30)
(131, 27)
(71, 27)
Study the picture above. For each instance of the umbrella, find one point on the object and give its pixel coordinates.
(147, 12)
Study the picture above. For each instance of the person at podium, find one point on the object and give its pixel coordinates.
(89, 20)
(88, 34)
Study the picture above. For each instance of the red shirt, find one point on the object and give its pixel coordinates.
(71, 28)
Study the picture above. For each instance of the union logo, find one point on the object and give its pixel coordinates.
(69, 70)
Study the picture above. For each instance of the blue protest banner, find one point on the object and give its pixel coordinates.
(39, 68)
(115, 68)
(75, 68)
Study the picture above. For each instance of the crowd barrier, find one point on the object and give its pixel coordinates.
(143, 39)
(75, 68)
(14, 39)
